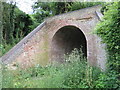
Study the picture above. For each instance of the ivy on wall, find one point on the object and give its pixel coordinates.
(109, 30)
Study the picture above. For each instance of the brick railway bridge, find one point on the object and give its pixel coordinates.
(59, 35)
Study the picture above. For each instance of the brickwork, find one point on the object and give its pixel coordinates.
(37, 47)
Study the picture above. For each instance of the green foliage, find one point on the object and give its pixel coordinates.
(1, 76)
(22, 23)
(1, 27)
(8, 21)
(81, 5)
(107, 80)
(47, 9)
(73, 73)
(15, 25)
(109, 30)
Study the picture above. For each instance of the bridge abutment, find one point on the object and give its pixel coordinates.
(59, 35)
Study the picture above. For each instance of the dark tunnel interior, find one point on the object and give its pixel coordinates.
(65, 40)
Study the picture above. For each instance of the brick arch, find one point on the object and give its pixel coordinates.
(65, 39)
(35, 47)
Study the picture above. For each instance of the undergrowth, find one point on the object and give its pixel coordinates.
(75, 72)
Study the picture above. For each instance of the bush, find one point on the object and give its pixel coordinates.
(73, 73)
(109, 30)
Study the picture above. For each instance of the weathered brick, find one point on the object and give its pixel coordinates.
(40, 46)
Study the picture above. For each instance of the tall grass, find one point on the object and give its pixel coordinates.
(75, 72)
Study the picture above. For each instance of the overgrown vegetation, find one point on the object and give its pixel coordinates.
(75, 72)
(15, 25)
(109, 30)
(47, 9)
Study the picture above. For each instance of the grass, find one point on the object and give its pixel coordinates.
(75, 72)
(0, 75)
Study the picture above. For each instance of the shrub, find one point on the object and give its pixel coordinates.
(109, 30)
(75, 72)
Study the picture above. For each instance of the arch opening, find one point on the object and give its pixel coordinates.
(65, 40)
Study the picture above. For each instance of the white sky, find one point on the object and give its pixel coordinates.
(25, 5)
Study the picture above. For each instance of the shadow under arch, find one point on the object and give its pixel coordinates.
(65, 40)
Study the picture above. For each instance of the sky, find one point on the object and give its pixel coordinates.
(25, 5)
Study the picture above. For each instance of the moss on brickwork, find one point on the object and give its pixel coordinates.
(42, 57)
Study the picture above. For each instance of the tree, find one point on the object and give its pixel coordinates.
(1, 27)
(8, 21)
(16, 25)
(47, 9)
